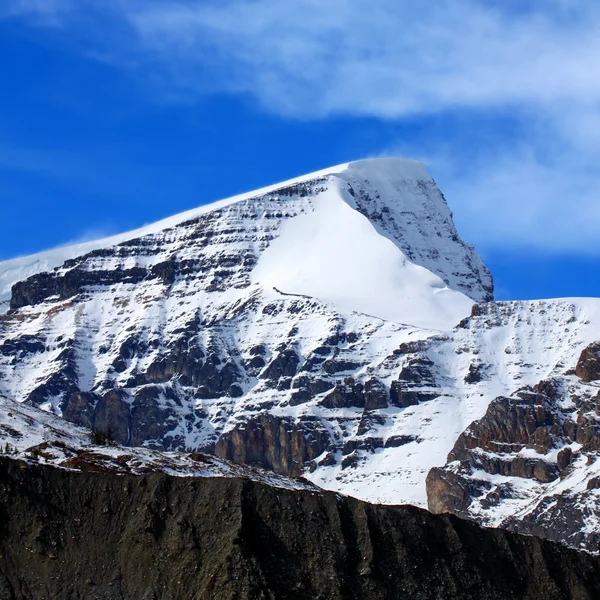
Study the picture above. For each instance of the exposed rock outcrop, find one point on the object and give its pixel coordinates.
(280, 445)
(540, 436)
(588, 365)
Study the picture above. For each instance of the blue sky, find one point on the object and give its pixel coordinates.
(116, 113)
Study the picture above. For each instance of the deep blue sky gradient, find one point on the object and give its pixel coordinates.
(86, 150)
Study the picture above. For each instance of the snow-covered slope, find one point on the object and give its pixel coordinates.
(17, 269)
(454, 377)
(527, 460)
(335, 254)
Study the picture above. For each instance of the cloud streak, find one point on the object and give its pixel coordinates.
(386, 58)
(518, 202)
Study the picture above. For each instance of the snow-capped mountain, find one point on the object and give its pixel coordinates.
(222, 309)
(268, 300)
(397, 196)
(333, 326)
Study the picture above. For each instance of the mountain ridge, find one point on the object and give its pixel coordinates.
(158, 536)
(15, 269)
(334, 327)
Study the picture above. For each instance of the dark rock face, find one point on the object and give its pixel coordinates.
(309, 387)
(143, 419)
(274, 443)
(588, 365)
(401, 397)
(415, 382)
(527, 420)
(448, 492)
(285, 364)
(476, 373)
(40, 287)
(345, 395)
(376, 395)
(492, 444)
(63, 382)
(112, 413)
(69, 534)
(518, 438)
(333, 366)
(182, 362)
(80, 408)
(26, 344)
(150, 419)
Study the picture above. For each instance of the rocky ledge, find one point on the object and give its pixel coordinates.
(73, 534)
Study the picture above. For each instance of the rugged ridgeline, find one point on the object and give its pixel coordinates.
(158, 536)
(319, 327)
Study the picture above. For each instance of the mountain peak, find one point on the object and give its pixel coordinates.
(396, 195)
(388, 166)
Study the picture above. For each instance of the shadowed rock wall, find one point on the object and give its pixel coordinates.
(94, 535)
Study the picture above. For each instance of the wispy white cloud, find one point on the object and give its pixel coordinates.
(395, 59)
(40, 12)
(387, 58)
(524, 196)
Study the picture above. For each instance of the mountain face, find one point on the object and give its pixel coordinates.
(335, 327)
(265, 328)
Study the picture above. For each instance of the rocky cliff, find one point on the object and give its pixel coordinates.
(67, 534)
(531, 463)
